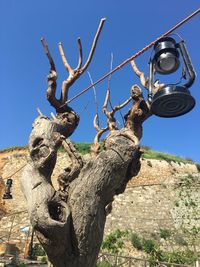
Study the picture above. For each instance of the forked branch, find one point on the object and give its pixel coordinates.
(74, 74)
(95, 147)
(111, 122)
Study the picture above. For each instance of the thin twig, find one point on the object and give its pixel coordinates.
(94, 44)
(116, 108)
(122, 117)
(109, 78)
(40, 112)
(140, 74)
(46, 49)
(53, 116)
(96, 123)
(95, 97)
(80, 57)
(64, 59)
(105, 104)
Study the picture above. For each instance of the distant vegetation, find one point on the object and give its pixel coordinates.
(84, 148)
(12, 148)
(152, 154)
(160, 248)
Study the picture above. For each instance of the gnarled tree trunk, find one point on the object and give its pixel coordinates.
(70, 222)
(70, 227)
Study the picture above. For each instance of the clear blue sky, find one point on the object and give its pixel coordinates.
(130, 25)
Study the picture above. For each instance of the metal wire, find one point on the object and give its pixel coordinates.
(140, 52)
(9, 176)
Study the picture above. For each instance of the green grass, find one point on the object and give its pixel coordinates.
(151, 154)
(84, 148)
(12, 148)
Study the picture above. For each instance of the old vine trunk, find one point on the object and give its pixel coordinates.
(69, 222)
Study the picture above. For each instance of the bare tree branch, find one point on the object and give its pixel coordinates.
(105, 104)
(140, 74)
(74, 74)
(110, 114)
(145, 82)
(46, 49)
(51, 78)
(80, 58)
(64, 59)
(95, 98)
(51, 90)
(95, 147)
(40, 112)
(116, 108)
(109, 78)
(94, 44)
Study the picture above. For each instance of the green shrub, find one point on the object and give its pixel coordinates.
(38, 251)
(114, 242)
(165, 233)
(157, 254)
(136, 241)
(180, 257)
(146, 147)
(103, 264)
(149, 246)
(44, 259)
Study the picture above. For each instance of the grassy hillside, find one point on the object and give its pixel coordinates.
(148, 153)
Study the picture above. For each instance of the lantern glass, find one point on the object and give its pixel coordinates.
(167, 63)
(166, 58)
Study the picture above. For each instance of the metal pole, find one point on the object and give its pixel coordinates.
(9, 235)
(30, 251)
(151, 80)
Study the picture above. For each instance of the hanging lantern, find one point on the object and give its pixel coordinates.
(7, 194)
(172, 100)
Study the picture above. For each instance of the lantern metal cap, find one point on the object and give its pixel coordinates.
(165, 39)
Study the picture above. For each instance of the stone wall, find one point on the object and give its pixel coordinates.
(163, 196)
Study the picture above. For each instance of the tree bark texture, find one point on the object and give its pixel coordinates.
(70, 223)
